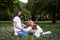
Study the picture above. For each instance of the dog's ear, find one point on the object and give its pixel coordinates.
(34, 27)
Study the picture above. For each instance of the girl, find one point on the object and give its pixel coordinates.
(18, 29)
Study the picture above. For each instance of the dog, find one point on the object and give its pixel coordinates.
(38, 31)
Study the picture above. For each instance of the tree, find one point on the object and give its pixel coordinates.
(38, 6)
(5, 5)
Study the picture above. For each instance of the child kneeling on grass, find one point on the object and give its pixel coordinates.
(18, 29)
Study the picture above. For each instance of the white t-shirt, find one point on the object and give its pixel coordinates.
(18, 20)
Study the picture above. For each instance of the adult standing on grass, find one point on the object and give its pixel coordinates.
(18, 29)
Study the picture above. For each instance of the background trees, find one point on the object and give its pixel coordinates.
(7, 7)
(38, 10)
(43, 7)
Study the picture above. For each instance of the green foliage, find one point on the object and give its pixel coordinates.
(41, 5)
(7, 7)
(26, 14)
(37, 7)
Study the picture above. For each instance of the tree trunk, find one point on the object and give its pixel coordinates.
(53, 17)
(54, 14)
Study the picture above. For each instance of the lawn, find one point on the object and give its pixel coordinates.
(6, 32)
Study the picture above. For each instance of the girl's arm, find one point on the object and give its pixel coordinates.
(24, 25)
(15, 24)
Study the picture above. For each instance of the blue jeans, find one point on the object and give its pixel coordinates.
(22, 33)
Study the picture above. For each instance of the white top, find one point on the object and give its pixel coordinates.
(18, 20)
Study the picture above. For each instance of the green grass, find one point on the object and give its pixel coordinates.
(6, 31)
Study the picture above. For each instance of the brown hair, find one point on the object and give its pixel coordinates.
(16, 12)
